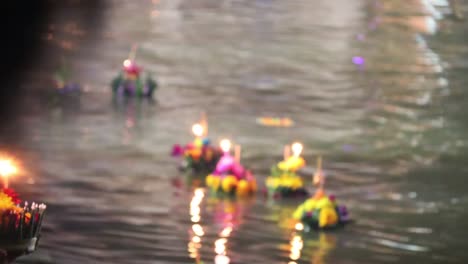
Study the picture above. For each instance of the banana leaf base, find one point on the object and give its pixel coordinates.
(11, 250)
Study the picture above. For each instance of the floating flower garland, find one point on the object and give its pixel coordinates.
(283, 181)
(129, 82)
(321, 211)
(64, 85)
(199, 156)
(20, 226)
(275, 121)
(230, 177)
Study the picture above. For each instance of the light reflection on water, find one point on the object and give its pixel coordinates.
(385, 127)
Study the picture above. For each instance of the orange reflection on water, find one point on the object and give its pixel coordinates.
(225, 232)
(296, 246)
(197, 231)
(229, 215)
(325, 244)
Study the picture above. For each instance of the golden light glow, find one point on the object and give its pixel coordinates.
(197, 130)
(225, 232)
(195, 219)
(222, 259)
(299, 226)
(198, 230)
(195, 242)
(7, 168)
(225, 145)
(220, 246)
(297, 149)
(127, 63)
(296, 247)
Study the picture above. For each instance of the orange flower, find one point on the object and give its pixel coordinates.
(27, 218)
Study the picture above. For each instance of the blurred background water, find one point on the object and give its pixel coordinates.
(376, 87)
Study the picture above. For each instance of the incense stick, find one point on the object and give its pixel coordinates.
(133, 51)
(286, 152)
(237, 153)
(204, 123)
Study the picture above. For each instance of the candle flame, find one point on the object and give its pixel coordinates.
(7, 168)
(297, 149)
(197, 130)
(299, 226)
(225, 145)
(127, 63)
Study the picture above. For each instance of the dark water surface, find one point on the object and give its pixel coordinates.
(392, 131)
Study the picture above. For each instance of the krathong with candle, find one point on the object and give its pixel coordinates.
(199, 156)
(230, 177)
(284, 181)
(20, 225)
(130, 81)
(321, 211)
(66, 88)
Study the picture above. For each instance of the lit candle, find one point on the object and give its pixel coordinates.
(6, 170)
(295, 161)
(227, 161)
(318, 175)
(204, 123)
(197, 130)
(297, 149)
(130, 68)
(225, 145)
(127, 63)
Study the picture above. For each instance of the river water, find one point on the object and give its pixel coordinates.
(375, 87)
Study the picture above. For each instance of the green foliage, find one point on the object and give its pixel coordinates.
(116, 82)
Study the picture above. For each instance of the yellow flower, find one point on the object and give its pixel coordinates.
(209, 180)
(324, 203)
(195, 153)
(243, 188)
(198, 143)
(299, 212)
(310, 205)
(296, 183)
(328, 217)
(229, 183)
(215, 182)
(6, 202)
(289, 182)
(292, 164)
(273, 182)
(283, 165)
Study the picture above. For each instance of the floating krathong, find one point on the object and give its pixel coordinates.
(275, 121)
(199, 156)
(284, 180)
(130, 82)
(230, 177)
(321, 211)
(64, 84)
(20, 225)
